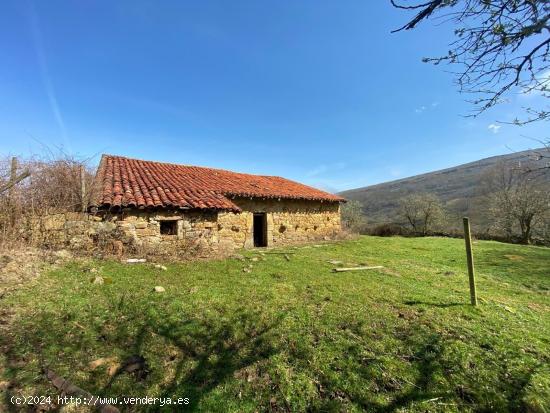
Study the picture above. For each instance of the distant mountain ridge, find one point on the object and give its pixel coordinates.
(457, 187)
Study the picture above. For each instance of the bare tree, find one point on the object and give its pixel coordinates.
(500, 47)
(53, 184)
(353, 217)
(518, 200)
(421, 211)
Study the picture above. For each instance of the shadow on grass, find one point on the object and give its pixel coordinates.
(426, 362)
(210, 350)
(9, 375)
(216, 351)
(438, 305)
(375, 384)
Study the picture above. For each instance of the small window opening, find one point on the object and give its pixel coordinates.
(282, 229)
(169, 227)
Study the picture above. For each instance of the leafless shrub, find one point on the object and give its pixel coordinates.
(54, 186)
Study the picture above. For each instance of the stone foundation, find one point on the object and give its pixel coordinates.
(288, 222)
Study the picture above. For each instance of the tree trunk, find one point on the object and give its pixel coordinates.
(413, 223)
(525, 225)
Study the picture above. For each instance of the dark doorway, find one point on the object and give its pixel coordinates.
(260, 230)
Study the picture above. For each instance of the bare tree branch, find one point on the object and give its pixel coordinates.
(502, 47)
(11, 184)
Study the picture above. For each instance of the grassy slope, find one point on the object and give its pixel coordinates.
(293, 335)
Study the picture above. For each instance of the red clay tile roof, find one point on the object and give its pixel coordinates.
(124, 182)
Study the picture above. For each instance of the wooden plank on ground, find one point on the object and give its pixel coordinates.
(376, 267)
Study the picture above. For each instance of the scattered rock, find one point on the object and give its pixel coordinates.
(159, 289)
(98, 279)
(335, 262)
(101, 361)
(193, 290)
(135, 260)
(93, 270)
(254, 259)
(161, 267)
(247, 270)
(238, 257)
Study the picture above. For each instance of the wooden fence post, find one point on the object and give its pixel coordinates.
(11, 192)
(13, 176)
(83, 189)
(470, 260)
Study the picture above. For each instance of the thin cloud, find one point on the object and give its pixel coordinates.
(45, 74)
(493, 128)
(424, 108)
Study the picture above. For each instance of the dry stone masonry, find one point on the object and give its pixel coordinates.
(289, 222)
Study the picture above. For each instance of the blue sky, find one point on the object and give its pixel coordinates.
(316, 91)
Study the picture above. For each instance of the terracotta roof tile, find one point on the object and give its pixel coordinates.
(125, 182)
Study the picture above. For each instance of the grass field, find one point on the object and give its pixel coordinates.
(292, 335)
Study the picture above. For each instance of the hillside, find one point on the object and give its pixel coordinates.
(459, 188)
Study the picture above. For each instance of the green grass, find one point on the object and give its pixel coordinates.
(292, 335)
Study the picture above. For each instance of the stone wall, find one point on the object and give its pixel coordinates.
(288, 222)
(60, 230)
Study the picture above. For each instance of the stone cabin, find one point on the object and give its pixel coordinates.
(162, 203)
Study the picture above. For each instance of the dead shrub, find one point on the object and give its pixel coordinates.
(54, 186)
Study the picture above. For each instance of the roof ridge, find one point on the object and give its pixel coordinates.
(191, 166)
(131, 182)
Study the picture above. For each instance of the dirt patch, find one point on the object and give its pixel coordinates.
(18, 267)
(512, 257)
